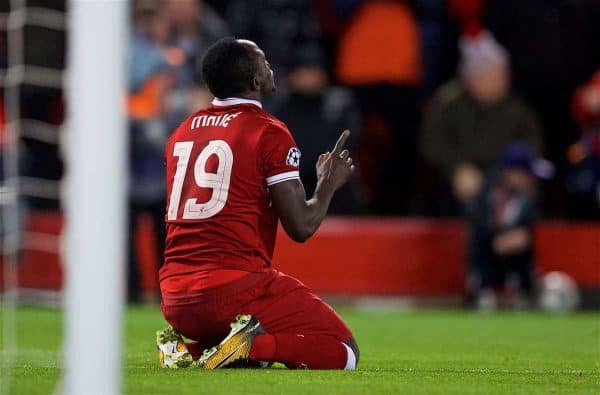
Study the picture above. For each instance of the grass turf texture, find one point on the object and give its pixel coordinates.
(408, 352)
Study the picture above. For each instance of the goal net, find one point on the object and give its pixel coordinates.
(62, 236)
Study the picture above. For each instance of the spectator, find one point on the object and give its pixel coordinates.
(277, 26)
(194, 26)
(439, 36)
(3, 144)
(471, 118)
(380, 58)
(149, 82)
(317, 113)
(3, 137)
(501, 221)
(583, 174)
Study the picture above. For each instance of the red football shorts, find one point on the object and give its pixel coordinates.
(281, 303)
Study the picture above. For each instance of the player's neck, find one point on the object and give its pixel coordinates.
(251, 96)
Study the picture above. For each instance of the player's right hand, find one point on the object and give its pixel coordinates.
(336, 167)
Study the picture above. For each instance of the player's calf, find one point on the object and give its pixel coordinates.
(247, 344)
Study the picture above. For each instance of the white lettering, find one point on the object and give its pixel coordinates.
(212, 120)
(197, 122)
(228, 118)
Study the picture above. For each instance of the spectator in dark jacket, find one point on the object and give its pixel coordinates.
(470, 119)
(317, 113)
(278, 26)
(379, 58)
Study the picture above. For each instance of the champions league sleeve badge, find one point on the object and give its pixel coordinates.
(293, 157)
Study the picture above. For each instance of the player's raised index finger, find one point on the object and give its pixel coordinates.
(339, 146)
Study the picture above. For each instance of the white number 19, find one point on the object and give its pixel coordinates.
(218, 182)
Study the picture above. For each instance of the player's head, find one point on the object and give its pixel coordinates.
(237, 68)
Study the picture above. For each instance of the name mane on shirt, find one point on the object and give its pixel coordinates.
(213, 120)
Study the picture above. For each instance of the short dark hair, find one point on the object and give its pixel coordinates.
(228, 67)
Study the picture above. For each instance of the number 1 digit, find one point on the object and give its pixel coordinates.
(182, 151)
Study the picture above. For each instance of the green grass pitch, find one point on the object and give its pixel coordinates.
(422, 352)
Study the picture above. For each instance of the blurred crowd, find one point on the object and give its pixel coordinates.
(487, 109)
(433, 90)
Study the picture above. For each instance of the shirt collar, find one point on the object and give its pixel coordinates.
(232, 101)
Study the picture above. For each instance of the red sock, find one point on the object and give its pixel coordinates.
(195, 349)
(295, 351)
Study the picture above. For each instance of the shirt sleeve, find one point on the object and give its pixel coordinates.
(279, 156)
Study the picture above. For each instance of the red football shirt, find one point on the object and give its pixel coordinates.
(220, 162)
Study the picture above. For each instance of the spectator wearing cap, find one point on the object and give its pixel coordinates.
(317, 112)
(501, 218)
(472, 117)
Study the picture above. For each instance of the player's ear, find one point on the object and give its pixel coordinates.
(255, 84)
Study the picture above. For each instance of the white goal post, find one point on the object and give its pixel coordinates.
(95, 188)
